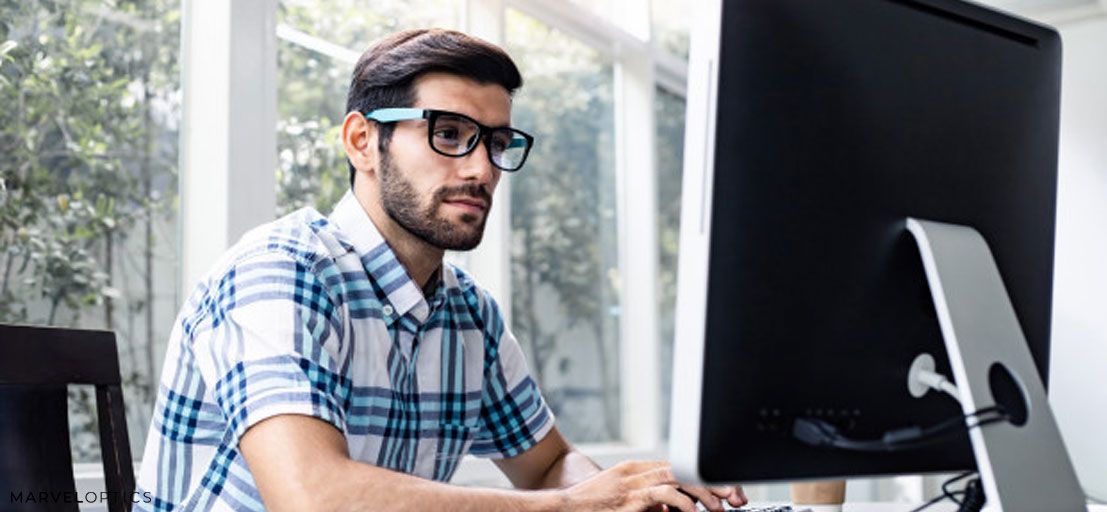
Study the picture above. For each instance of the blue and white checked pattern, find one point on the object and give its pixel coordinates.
(316, 316)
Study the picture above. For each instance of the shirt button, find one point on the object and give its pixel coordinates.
(387, 310)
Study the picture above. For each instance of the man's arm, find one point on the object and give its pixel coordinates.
(554, 464)
(550, 464)
(300, 463)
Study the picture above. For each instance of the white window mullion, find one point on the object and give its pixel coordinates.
(636, 189)
(228, 138)
(490, 262)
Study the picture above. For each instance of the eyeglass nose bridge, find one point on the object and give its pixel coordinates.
(484, 134)
(481, 138)
(475, 140)
(498, 159)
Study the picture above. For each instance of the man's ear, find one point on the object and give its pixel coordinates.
(359, 138)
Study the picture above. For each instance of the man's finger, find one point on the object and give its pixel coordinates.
(733, 494)
(652, 478)
(723, 491)
(704, 496)
(668, 495)
(741, 497)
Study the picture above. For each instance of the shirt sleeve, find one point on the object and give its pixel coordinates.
(263, 351)
(514, 415)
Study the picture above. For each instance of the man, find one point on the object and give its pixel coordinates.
(337, 363)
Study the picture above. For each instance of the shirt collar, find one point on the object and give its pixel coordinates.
(403, 295)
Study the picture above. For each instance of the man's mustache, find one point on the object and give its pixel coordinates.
(470, 190)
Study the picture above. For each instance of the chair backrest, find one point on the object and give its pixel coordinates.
(36, 365)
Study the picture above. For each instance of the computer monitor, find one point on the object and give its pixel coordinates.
(814, 130)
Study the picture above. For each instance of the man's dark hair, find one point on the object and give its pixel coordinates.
(385, 74)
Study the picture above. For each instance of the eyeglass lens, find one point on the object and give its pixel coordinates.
(454, 135)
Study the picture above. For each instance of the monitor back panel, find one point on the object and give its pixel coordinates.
(835, 121)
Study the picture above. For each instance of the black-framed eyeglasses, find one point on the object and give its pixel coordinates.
(456, 135)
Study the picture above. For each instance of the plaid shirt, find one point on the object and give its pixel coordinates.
(316, 316)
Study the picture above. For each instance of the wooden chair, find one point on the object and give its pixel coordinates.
(36, 365)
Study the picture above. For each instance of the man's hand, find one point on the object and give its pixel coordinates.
(631, 486)
(712, 497)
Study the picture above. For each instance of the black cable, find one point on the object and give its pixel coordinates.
(973, 494)
(952, 495)
(955, 424)
(817, 432)
(1002, 417)
(929, 504)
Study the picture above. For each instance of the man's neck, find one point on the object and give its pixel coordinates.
(431, 286)
(420, 259)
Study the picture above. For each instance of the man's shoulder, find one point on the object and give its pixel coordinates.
(480, 302)
(304, 238)
(461, 282)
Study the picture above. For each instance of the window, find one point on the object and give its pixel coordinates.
(564, 254)
(669, 110)
(88, 183)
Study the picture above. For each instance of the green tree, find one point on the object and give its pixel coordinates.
(563, 219)
(88, 173)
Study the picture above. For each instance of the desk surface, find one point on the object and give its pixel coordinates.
(907, 507)
(849, 507)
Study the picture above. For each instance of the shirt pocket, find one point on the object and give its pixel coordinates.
(453, 443)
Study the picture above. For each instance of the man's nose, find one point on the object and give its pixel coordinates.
(477, 166)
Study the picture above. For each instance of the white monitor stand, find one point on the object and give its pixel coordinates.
(1023, 468)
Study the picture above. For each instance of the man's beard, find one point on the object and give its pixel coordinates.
(401, 203)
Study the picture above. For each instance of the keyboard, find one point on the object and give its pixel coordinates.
(750, 508)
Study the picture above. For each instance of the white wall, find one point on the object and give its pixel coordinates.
(1078, 369)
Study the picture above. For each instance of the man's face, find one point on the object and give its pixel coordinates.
(441, 200)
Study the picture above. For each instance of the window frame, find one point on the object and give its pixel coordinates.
(228, 57)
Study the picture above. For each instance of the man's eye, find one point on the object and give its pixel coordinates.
(449, 134)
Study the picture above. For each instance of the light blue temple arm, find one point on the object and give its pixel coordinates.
(391, 115)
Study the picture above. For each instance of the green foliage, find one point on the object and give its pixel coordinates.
(563, 217)
(87, 158)
(311, 165)
(78, 85)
